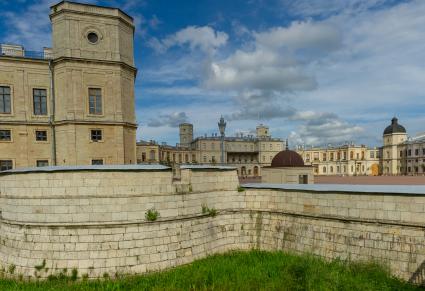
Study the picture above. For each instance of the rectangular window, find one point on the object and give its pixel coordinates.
(6, 165)
(97, 162)
(95, 101)
(40, 101)
(5, 135)
(41, 135)
(96, 135)
(5, 106)
(42, 163)
(409, 153)
(416, 152)
(303, 179)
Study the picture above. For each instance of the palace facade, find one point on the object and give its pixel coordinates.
(72, 104)
(247, 153)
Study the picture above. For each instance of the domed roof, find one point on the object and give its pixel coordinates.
(287, 158)
(394, 127)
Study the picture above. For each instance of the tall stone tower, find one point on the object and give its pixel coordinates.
(262, 131)
(394, 135)
(186, 134)
(93, 79)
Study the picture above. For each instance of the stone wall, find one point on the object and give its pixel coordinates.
(94, 220)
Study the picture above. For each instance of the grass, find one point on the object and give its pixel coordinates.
(254, 270)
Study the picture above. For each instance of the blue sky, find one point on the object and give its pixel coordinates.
(317, 72)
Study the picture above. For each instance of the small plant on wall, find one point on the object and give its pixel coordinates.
(210, 211)
(152, 214)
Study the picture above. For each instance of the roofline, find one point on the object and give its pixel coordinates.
(92, 5)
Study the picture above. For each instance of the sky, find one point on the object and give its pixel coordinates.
(316, 72)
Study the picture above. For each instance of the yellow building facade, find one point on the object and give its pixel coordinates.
(72, 104)
(349, 160)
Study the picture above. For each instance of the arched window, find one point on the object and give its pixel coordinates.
(324, 169)
(332, 169)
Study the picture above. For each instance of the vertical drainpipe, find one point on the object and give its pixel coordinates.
(52, 113)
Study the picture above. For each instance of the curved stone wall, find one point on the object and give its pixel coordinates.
(94, 221)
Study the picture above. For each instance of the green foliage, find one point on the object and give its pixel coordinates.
(254, 270)
(210, 211)
(74, 274)
(241, 189)
(152, 214)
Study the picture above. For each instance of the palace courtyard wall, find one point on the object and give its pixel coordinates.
(93, 219)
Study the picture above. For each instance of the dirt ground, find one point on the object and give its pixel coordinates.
(359, 180)
(371, 180)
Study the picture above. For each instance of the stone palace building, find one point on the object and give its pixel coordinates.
(248, 153)
(72, 104)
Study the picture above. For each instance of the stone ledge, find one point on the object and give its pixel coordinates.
(403, 190)
(100, 168)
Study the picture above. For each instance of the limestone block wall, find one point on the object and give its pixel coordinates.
(94, 220)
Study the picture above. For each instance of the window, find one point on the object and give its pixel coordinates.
(6, 165)
(372, 155)
(5, 135)
(152, 155)
(5, 100)
(416, 152)
(324, 156)
(92, 37)
(409, 153)
(97, 162)
(42, 163)
(96, 135)
(401, 153)
(41, 135)
(303, 179)
(40, 101)
(95, 101)
(423, 151)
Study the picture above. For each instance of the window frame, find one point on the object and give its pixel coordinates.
(1, 166)
(10, 135)
(95, 113)
(43, 160)
(3, 86)
(41, 107)
(97, 159)
(91, 135)
(41, 130)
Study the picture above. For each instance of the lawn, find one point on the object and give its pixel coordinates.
(254, 270)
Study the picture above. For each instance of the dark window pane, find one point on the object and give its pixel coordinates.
(97, 162)
(42, 163)
(40, 101)
(41, 135)
(5, 135)
(96, 135)
(6, 165)
(95, 101)
(5, 100)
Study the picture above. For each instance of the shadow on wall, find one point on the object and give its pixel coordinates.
(418, 277)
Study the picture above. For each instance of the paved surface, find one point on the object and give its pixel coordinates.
(371, 180)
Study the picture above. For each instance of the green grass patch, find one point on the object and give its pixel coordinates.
(254, 270)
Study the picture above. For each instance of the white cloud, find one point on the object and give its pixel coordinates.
(196, 37)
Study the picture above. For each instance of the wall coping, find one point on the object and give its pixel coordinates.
(207, 167)
(413, 190)
(100, 168)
